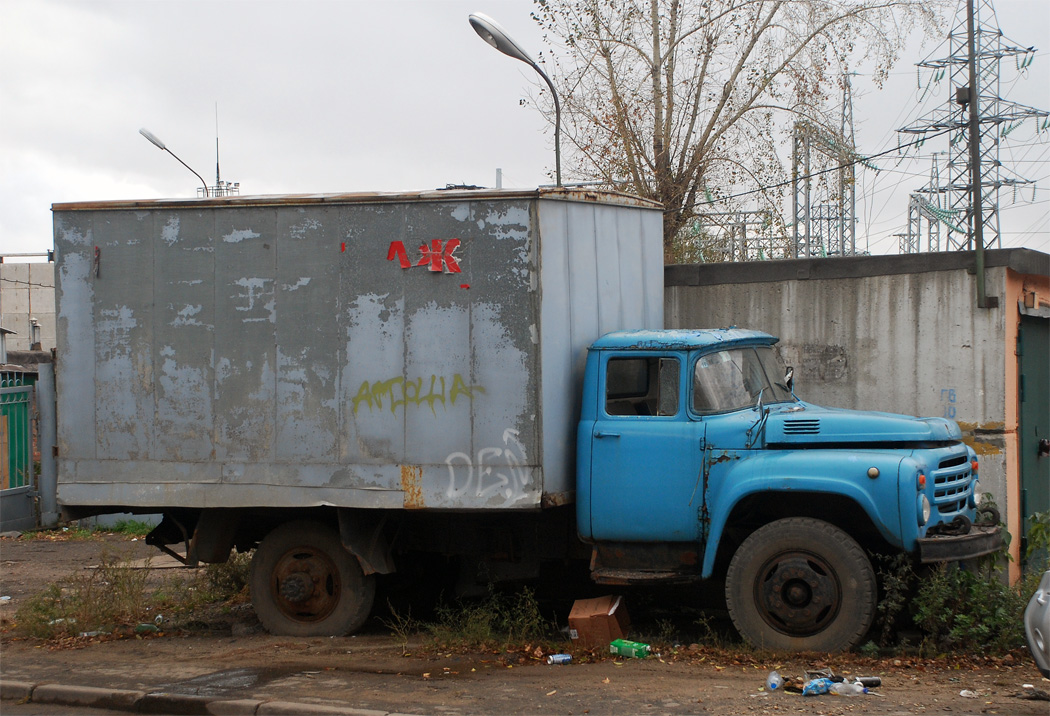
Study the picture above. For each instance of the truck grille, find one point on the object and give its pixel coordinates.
(952, 484)
(801, 427)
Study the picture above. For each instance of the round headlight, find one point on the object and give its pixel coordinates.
(975, 495)
(924, 510)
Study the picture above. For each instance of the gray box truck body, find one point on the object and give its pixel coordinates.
(277, 351)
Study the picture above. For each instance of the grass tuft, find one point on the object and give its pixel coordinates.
(498, 621)
(117, 598)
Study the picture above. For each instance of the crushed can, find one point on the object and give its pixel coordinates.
(632, 649)
(559, 658)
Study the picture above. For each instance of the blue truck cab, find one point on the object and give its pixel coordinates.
(695, 460)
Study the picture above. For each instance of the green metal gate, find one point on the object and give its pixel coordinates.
(1033, 359)
(16, 453)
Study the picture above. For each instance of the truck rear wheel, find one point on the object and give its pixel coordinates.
(801, 584)
(305, 583)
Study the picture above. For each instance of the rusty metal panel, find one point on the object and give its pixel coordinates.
(359, 350)
(244, 341)
(123, 321)
(307, 336)
(75, 339)
(184, 271)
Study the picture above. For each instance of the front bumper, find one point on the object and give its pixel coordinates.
(979, 541)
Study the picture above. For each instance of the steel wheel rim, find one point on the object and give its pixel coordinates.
(797, 593)
(305, 585)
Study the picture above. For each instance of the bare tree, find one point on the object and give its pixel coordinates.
(684, 101)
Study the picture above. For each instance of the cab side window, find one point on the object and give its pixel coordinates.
(642, 386)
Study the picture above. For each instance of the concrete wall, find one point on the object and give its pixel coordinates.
(27, 290)
(894, 333)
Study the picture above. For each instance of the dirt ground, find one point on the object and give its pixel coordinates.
(373, 670)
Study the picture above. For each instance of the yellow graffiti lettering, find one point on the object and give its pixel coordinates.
(460, 388)
(364, 395)
(411, 392)
(431, 397)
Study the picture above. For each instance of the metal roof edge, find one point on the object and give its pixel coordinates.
(1021, 260)
(589, 195)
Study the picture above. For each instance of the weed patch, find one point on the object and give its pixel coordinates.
(130, 528)
(496, 622)
(976, 611)
(59, 534)
(897, 579)
(118, 598)
(99, 600)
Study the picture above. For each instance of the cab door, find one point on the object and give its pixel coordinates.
(646, 452)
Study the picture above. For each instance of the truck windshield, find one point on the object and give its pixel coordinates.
(733, 379)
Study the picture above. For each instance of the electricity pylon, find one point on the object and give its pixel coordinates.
(948, 199)
(828, 228)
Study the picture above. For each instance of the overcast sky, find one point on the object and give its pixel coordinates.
(327, 96)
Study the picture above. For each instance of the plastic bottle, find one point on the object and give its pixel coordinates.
(632, 649)
(774, 681)
(816, 687)
(844, 689)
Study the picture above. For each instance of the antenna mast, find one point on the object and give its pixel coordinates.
(218, 181)
(222, 188)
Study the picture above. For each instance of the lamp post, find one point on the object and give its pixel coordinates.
(491, 32)
(160, 145)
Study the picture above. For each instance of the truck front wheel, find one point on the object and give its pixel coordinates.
(305, 583)
(801, 584)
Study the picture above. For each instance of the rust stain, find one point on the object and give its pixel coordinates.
(725, 456)
(990, 427)
(982, 448)
(412, 487)
(555, 499)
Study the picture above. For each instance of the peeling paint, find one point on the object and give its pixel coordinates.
(170, 233)
(303, 281)
(299, 230)
(236, 237)
(256, 290)
(186, 316)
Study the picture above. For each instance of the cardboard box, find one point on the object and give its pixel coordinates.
(596, 622)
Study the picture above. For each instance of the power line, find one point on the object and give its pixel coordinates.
(858, 160)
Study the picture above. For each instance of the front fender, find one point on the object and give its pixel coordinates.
(830, 472)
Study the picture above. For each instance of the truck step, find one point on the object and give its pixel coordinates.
(607, 575)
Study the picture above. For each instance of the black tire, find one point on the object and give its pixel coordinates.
(305, 583)
(800, 584)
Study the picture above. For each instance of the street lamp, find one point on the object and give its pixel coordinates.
(491, 32)
(160, 145)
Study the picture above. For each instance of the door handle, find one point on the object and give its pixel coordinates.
(603, 434)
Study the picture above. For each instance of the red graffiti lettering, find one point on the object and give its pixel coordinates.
(437, 256)
(397, 250)
(440, 255)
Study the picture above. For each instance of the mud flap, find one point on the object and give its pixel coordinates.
(362, 535)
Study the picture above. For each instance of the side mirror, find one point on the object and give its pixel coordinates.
(789, 379)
